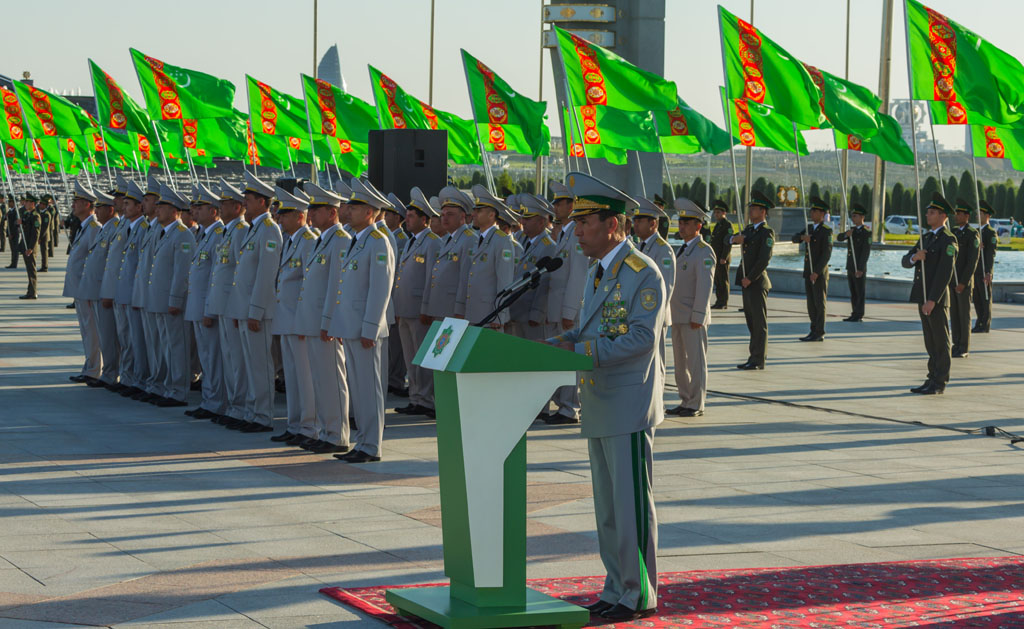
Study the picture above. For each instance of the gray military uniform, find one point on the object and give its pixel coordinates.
(80, 245)
(689, 301)
(326, 359)
(533, 306)
(415, 261)
(359, 310)
(445, 294)
(253, 296)
(298, 376)
(222, 275)
(140, 295)
(134, 365)
(89, 289)
(116, 249)
(488, 270)
(207, 338)
(167, 288)
(657, 248)
(622, 404)
(565, 298)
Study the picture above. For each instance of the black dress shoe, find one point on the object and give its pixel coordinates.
(749, 366)
(357, 456)
(298, 440)
(70, 306)
(79, 378)
(236, 424)
(718, 307)
(196, 386)
(691, 412)
(129, 391)
(170, 403)
(557, 419)
(254, 427)
(960, 354)
(202, 413)
(44, 269)
(595, 609)
(140, 396)
(27, 297)
(95, 383)
(221, 419)
(398, 391)
(431, 413)
(921, 388)
(675, 410)
(852, 319)
(406, 410)
(933, 389)
(328, 448)
(621, 613)
(283, 437)
(307, 443)
(809, 337)
(115, 387)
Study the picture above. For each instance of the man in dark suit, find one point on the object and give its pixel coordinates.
(857, 253)
(720, 241)
(756, 242)
(817, 239)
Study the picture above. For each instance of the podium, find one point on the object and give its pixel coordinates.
(488, 387)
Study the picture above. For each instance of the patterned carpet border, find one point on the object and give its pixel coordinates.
(973, 592)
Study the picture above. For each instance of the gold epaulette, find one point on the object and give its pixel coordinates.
(469, 232)
(433, 236)
(546, 241)
(308, 235)
(218, 230)
(376, 234)
(635, 262)
(240, 225)
(660, 240)
(182, 228)
(268, 222)
(500, 234)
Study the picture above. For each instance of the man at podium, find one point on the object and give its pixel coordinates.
(620, 326)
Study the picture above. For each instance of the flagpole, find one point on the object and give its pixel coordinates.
(309, 127)
(572, 106)
(163, 155)
(707, 188)
(643, 187)
(63, 176)
(977, 202)
(664, 160)
(728, 123)
(917, 166)
(803, 194)
(291, 164)
(106, 157)
(935, 149)
(206, 171)
(476, 123)
(846, 206)
(541, 188)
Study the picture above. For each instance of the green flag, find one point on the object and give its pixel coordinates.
(400, 110)
(176, 93)
(631, 130)
(50, 115)
(116, 109)
(684, 130)
(951, 63)
(337, 114)
(999, 143)
(598, 76)
(759, 70)
(593, 149)
(497, 108)
(13, 128)
(754, 124)
(849, 108)
(888, 143)
(275, 112)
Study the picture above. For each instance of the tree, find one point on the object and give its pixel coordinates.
(931, 186)
(952, 190)
(895, 203)
(1018, 212)
(814, 192)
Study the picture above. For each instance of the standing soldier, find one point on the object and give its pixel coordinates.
(133, 361)
(251, 304)
(858, 250)
(528, 314)
(45, 213)
(968, 242)
(299, 240)
(817, 240)
(445, 294)
(207, 337)
(165, 295)
(489, 266)
(32, 233)
(83, 206)
(358, 316)
(623, 313)
(154, 383)
(116, 246)
(3, 223)
(721, 236)
(934, 258)
(695, 269)
(14, 229)
(394, 218)
(89, 290)
(326, 356)
(756, 242)
(646, 220)
(983, 273)
(54, 226)
(231, 406)
(415, 261)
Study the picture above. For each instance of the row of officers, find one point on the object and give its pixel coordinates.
(30, 229)
(348, 280)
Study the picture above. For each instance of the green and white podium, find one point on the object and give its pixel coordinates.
(488, 387)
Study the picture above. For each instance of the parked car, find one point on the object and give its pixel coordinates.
(901, 224)
(1003, 227)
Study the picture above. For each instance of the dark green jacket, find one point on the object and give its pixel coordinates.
(859, 247)
(968, 243)
(819, 250)
(757, 253)
(938, 265)
(719, 242)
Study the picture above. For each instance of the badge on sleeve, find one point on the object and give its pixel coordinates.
(950, 250)
(770, 242)
(382, 258)
(271, 245)
(185, 246)
(666, 262)
(648, 299)
(506, 254)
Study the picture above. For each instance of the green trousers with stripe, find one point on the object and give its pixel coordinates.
(627, 526)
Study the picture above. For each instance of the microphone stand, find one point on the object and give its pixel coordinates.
(508, 301)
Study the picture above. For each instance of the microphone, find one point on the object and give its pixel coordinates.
(547, 264)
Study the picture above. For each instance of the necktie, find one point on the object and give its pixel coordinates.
(128, 232)
(408, 245)
(352, 245)
(681, 250)
(481, 241)
(162, 232)
(319, 239)
(598, 275)
(527, 247)
(642, 245)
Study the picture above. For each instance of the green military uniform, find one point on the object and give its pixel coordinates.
(3, 225)
(817, 254)
(982, 291)
(756, 253)
(54, 227)
(857, 253)
(719, 239)
(31, 226)
(941, 249)
(45, 219)
(968, 242)
(14, 234)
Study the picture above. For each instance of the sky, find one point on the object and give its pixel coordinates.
(273, 42)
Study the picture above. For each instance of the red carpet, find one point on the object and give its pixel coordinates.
(942, 593)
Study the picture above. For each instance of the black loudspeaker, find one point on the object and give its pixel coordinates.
(402, 158)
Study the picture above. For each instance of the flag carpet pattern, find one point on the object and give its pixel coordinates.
(976, 592)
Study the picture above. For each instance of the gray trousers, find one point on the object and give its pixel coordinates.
(398, 364)
(259, 394)
(330, 390)
(421, 381)
(621, 469)
(176, 342)
(110, 348)
(155, 358)
(208, 348)
(125, 358)
(90, 339)
(298, 378)
(366, 393)
(137, 348)
(233, 366)
(690, 354)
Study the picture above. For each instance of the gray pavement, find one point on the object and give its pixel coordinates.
(114, 513)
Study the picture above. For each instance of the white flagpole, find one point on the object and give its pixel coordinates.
(917, 166)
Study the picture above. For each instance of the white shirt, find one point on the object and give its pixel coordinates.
(606, 261)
